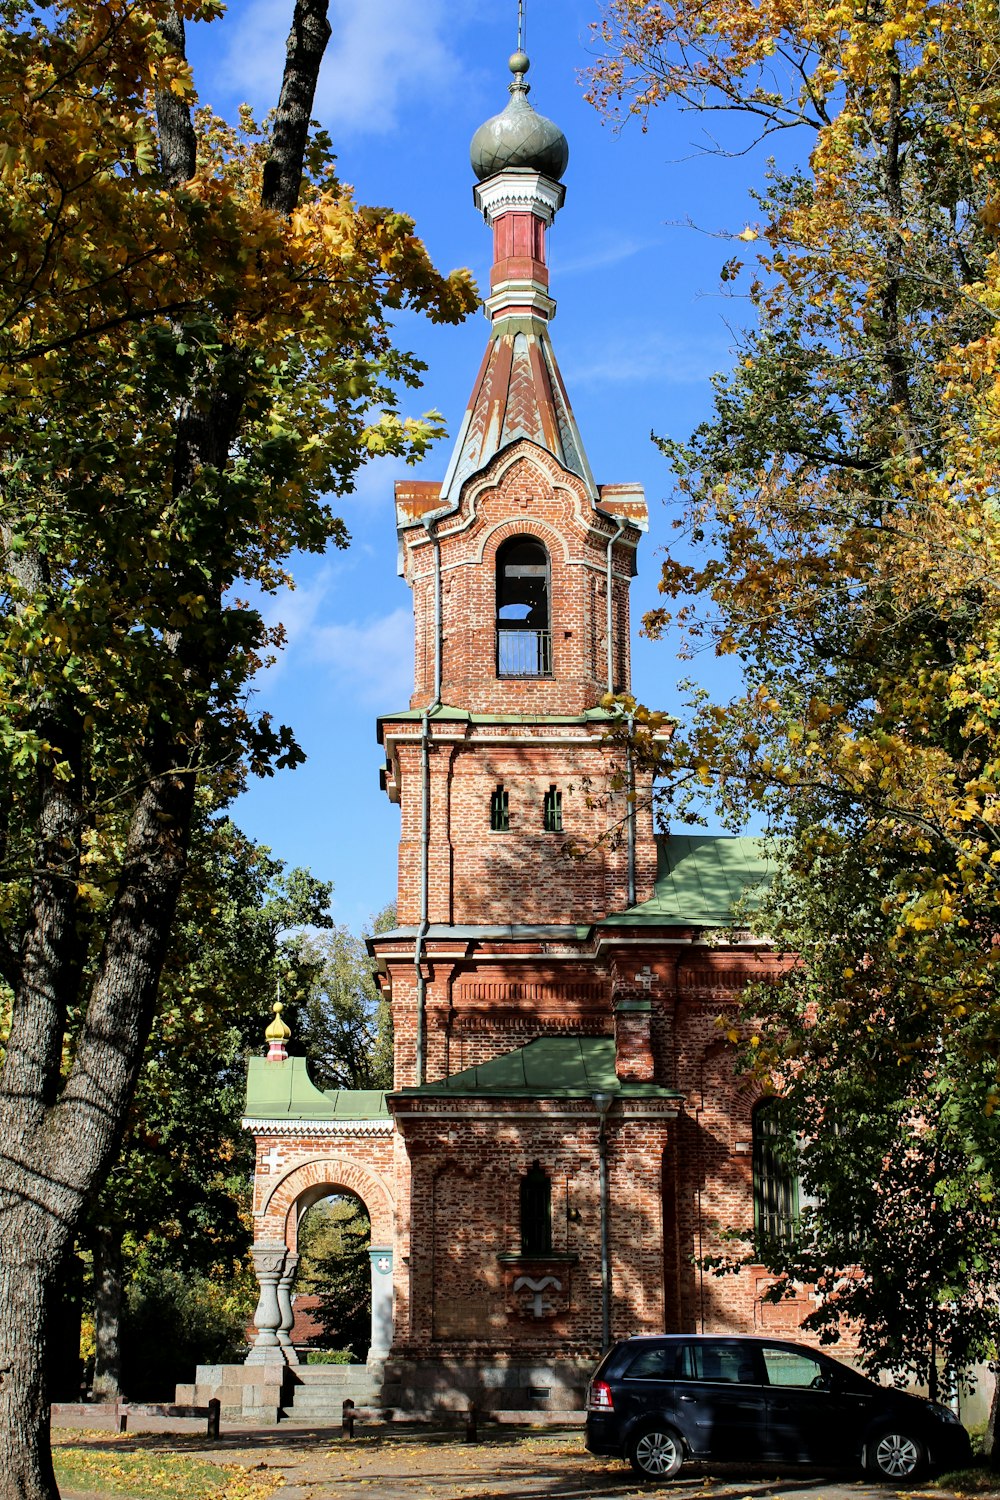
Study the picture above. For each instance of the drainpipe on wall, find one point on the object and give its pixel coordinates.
(602, 1103)
(630, 809)
(611, 651)
(425, 811)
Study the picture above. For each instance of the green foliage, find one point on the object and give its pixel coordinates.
(178, 1194)
(344, 1023)
(839, 507)
(333, 1241)
(175, 1321)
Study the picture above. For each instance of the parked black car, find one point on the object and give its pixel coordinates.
(658, 1400)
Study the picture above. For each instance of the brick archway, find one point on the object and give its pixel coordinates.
(317, 1178)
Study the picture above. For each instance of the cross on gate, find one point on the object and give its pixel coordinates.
(645, 979)
(272, 1161)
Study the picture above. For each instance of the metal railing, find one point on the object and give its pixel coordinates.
(524, 652)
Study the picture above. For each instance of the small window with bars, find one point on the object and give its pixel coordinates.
(775, 1174)
(552, 814)
(500, 811)
(536, 1211)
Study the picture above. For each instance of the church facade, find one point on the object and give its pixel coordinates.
(566, 1138)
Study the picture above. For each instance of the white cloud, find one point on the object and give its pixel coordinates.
(598, 257)
(654, 359)
(373, 659)
(382, 53)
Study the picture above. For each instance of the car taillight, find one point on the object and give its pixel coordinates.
(599, 1396)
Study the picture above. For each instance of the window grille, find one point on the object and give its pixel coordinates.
(499, 811)
(553, 810)
(536, 1212)
(775, 1179)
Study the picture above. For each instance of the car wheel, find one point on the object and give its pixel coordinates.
(895, 1455)
(656, 1452)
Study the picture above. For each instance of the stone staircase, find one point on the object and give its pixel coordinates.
(316, 1393)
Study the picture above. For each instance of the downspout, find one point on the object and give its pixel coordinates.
(630, 809)
(602, 1103)
(611, 653)
(629, 769)
(425, 810)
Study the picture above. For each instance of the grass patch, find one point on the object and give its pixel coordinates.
(979, 1480)
(108, 1466)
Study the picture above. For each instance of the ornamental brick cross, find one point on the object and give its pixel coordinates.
(272, 1161)
(645, 979)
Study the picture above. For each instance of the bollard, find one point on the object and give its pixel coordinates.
(122, 1415)
(214, 1414)
(471, 1435)
(347, 1419)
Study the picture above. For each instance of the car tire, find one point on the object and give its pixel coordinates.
(894, 1455)
(655, 1451)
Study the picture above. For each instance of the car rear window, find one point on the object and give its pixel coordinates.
(653, 1364)
(708, 1360)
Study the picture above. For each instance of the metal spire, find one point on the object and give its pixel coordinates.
(520, 25)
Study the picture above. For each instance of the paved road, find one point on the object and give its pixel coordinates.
(318, 1464)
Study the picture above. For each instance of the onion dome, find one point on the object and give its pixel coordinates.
(519, 136)
(276, 1035)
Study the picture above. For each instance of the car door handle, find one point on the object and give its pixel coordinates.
(682, 1397)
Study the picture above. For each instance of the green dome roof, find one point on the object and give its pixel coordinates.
(519, 136)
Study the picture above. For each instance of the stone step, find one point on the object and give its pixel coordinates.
(331, 1375)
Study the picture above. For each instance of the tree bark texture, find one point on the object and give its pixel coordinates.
(59, 1132)
(109, 1299)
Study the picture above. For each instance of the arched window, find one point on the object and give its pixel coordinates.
(536, 1212)
(524, 634)
(775, 1177)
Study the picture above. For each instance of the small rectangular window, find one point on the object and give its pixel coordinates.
(553, 810)
(499, 811)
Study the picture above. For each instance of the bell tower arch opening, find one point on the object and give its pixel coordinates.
(523, 616)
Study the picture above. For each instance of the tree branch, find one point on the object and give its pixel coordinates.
(306, 44)
(178, 145)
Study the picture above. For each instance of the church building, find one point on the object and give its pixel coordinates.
(566, 1137)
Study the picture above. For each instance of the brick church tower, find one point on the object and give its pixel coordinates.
(565, 1136)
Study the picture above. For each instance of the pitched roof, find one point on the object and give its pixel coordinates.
(284, 1091)
(700, 879)
(547, 1068)
(519, 393)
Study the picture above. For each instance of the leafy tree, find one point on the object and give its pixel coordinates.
(178, 1194)
(344, 1022)
(195, 347)
(844, 492)
(335, 1267)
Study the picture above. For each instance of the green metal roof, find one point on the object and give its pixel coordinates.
(700, 878)
(284, 1091)
(547, 1068)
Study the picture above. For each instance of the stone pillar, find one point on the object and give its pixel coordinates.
(285, 1283)
(268, 1261)
(633, 1042)
(381, 1260)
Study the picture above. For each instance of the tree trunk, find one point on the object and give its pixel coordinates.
(109, 1299)
(992, 1447)
(25, 1460)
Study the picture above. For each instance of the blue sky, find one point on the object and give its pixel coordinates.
(641, 327)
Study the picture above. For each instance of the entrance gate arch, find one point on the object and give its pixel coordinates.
(276, 1258)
